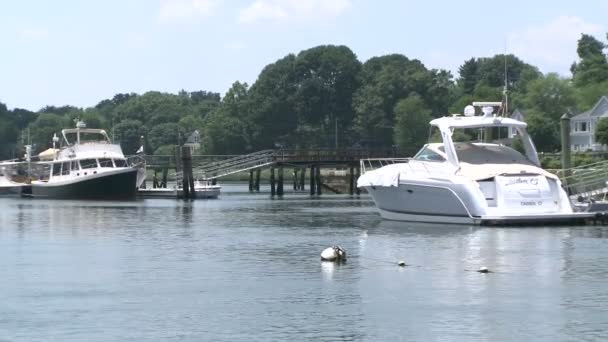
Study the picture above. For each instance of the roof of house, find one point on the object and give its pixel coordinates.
(599, 109)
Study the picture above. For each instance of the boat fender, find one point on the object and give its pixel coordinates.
(334, 254)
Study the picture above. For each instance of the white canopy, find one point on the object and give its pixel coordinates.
(48, 154)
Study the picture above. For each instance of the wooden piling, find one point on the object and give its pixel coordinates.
(257, 179)
(280, 184)
(251, 180)
(351, 180)
(163, 183)
(302, 177)
(187, 177)
(358, 174)
(272, 185)
(566, 158)
(312, 180)
(318, 179)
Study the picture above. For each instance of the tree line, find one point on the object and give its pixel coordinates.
(323, 97)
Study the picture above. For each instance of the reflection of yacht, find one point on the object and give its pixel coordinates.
(471, 183)
(87, 166)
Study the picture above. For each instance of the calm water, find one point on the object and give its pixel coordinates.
(247, 268)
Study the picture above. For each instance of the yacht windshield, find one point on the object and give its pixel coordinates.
(479, 153)
(86, 137)
(427, 154)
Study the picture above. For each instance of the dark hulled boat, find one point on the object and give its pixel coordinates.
(87, 166)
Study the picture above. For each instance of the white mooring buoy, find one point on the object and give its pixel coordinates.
(334, 253)
(484, 269)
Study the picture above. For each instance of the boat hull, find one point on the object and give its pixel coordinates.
(10, 190)
(436, 204)
(115, 185)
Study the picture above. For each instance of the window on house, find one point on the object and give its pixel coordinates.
(581, 126)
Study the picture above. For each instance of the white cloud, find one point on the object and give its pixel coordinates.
(552, 47)
(35, 33)
(180, 10)
(290, 10)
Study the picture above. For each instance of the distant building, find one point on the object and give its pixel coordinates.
(582, 127)
(194, 141)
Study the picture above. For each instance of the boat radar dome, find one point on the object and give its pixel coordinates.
(469, 111)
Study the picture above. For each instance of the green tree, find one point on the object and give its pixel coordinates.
(226, 129)
(588, 95)
(550, 95)
(411, 123)
(165, 134)
(128, 133)
(601, 132)
(43, 129)
(593, 65)
(385, 81)
(326, 79)
(544, 131)
(469, 76)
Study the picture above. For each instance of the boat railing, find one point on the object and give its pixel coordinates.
(586, 181)
(370, 164)
(409, 167)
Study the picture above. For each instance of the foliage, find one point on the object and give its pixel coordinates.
(411, 122)
(601, 131)
(593, 65)
(301, 99)
(43, 129)
(166, 134)
(128, 133)
(550, 95)
(544, 131)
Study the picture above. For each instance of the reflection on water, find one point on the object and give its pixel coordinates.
(245, 267)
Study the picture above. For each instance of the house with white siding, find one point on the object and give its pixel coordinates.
(582, 127)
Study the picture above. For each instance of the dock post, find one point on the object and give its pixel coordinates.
(302, 176)
(280, 184)
(272, 185)
(251, 180)
(351, 180)
(312, 179)
(188, 178)
(358, 174)
(257, 179)
(566, 158)
(318, 177)
(163, 183)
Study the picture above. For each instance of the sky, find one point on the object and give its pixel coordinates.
(80, 52)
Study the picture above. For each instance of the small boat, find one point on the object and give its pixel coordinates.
(86, 166)
(202, 190)
(470, 182)
(206, 190)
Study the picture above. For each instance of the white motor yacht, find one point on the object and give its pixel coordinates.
(469, 182)
(87, 166)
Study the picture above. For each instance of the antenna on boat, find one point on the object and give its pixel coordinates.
(505, 91)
